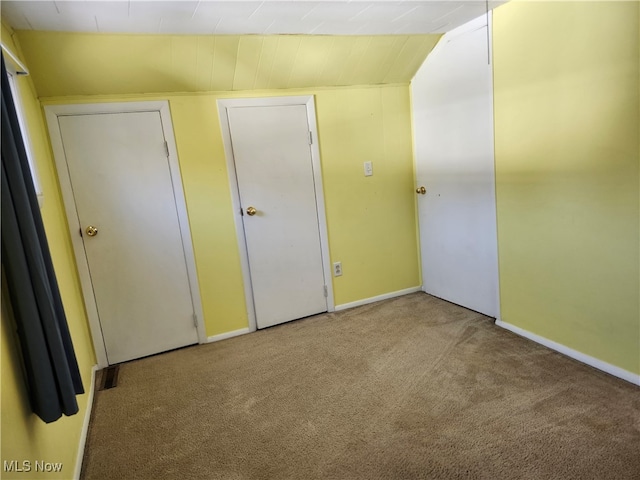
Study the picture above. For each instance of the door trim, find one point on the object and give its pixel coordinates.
(308, 102)
(52, 112)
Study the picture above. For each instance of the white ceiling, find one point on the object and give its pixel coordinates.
(328, 17)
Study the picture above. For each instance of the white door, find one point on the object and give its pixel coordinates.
(122, 186)
(274, 171)
(452, 96)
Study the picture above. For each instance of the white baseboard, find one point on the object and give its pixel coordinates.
(224, 336)
(569, 352)
(384, 296)
(85, 424)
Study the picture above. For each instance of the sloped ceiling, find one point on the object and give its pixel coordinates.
(64, 64)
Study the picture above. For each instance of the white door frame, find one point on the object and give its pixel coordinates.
(52, 113)
(308, 102)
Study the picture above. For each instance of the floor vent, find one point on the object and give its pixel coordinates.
(110, 377)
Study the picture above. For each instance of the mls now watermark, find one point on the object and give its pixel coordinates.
(29, 466)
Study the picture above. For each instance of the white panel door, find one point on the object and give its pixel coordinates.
(275, 176)
(122, 185)
(452, 96)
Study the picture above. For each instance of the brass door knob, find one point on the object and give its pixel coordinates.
(421, 190)
(251, 211)
(91, 231)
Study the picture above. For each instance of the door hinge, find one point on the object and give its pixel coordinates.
(166, 148)
(195, 320)
(326, 292)
(310, 138)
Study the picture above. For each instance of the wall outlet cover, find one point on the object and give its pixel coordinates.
(337, 269)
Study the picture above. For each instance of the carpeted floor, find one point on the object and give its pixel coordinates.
(408, 388)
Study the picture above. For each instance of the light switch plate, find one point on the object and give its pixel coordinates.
(368, 169)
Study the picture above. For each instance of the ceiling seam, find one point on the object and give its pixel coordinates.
(293, 64)
(255, 76)
(384, 80)
(213, 62)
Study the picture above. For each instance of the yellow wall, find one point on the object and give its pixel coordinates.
(101, 64)
(567, 170)
(370, 220)
(25, 436)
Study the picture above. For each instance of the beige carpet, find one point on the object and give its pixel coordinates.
(407, 388)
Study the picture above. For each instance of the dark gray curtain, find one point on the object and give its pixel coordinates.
(53, 379)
